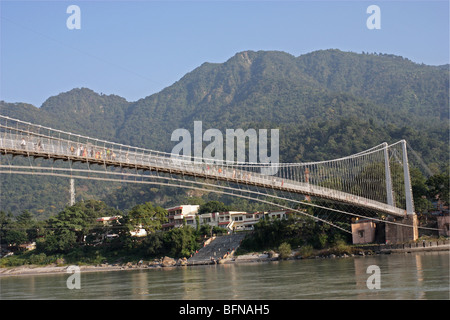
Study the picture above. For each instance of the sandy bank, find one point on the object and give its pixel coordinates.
(40, 270)
(246, 258)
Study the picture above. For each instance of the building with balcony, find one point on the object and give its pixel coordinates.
(180, 215)
(232, 220)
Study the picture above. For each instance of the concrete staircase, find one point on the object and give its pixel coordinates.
(220, 248)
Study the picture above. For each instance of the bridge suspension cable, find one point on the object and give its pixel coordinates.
(246, 194)
(373, 179)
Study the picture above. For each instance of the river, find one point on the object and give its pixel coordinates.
(409, 276)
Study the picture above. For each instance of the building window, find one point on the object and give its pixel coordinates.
(361, 233)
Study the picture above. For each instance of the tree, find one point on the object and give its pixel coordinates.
(181, 241)
(147, 216)
(420, 190)
(154, 244)
(6, 221)
(438, 187)
(20, 230)
(57, 241)
(213, 206)
(69, 228)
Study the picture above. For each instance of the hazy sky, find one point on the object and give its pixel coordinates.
(136, 48)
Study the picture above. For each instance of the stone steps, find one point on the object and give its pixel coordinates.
(219, 248)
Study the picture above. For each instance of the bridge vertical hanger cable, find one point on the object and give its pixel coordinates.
(361, 177)
(366, 176)
(323, 177)
(335, 176)
(369, 171)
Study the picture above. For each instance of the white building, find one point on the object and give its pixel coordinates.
(278, 214)
(181, 214)
(231, 220)
(139, 232)
(108, 221)
(188, 215)
(226, 219)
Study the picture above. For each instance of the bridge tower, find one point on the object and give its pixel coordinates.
(387, 169)
(72, 191)
(398, 229)
(408, 188)
(407, 230)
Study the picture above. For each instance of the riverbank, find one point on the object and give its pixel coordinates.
(167, 262)
(25, 270)
(33, 270)
(331, 253)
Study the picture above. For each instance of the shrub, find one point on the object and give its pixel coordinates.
(40, 258)
(320, 240)
(341, 247)
(285, 250)
(306, 251)
(12, 261)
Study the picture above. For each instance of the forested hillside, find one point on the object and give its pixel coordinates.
(326, 104)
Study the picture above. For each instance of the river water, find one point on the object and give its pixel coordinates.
(401, 276)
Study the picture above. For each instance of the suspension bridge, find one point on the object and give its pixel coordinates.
(376, 179)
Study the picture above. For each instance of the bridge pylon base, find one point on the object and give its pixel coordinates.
(406, 230)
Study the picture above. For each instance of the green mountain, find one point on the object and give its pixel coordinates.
(326, 104)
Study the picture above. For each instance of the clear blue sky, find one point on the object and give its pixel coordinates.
(136, 48)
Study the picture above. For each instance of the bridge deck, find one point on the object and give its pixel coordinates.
(66, 150)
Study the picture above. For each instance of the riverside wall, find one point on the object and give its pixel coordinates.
(425, 245)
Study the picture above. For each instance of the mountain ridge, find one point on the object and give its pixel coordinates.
(264, 84)
(326, 104)
(271, 87)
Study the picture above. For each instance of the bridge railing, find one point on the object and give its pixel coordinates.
(24, 138)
